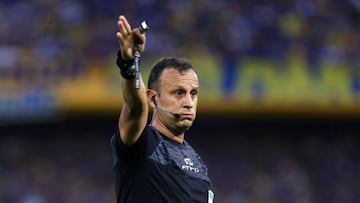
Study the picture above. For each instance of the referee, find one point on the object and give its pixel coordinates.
(153, 163)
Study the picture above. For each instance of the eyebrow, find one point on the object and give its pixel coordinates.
(176, 86)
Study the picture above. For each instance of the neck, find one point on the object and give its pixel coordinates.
(177, 137)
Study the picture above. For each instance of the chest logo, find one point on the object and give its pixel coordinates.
(189, 166)
(188, 162)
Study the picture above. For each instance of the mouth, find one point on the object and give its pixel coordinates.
(187, 116)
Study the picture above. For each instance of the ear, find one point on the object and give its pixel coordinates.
(151, 97)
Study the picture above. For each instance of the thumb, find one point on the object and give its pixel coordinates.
(139, 37)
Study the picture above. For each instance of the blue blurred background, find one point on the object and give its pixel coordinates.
(278, 113)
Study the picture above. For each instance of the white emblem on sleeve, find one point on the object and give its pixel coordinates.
(210, 196)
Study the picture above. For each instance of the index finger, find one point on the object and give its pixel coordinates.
(124, 24)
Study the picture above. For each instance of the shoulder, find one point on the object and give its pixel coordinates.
(143, 145)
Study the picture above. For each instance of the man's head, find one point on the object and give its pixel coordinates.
(173, 87)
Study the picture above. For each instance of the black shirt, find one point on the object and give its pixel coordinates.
(157, 169)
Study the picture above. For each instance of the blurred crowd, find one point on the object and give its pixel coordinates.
(70, 163)
(55, 166)
(275, 167)
(52, 38)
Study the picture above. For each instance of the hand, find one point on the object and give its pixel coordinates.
(128, 38)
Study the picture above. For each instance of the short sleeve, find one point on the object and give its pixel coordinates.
(135, 153)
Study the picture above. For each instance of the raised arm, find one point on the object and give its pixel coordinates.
(134, 113)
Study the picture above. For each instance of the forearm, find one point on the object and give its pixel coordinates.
(134, 98)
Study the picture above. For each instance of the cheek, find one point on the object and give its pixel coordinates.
(171, 101)
(196, 99)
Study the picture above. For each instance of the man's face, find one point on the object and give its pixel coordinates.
(179, 94)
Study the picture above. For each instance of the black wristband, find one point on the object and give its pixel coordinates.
(127, 68)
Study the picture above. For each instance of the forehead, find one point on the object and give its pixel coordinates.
(171, 77)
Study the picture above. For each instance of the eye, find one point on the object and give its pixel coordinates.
(178, 92)
(194, 93)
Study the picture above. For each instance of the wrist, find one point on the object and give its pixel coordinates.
(127, 67)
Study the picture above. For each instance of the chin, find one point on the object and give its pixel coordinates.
(186, 126)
